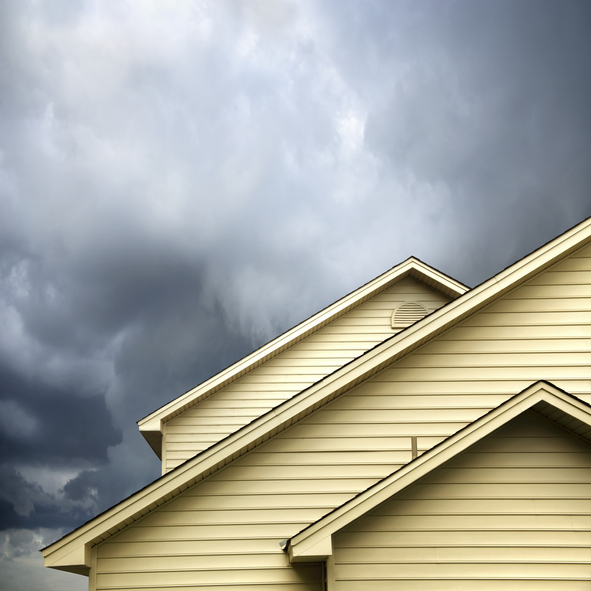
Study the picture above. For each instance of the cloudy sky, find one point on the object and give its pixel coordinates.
(182, 181)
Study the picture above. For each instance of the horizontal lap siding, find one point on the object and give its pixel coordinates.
(291, 372)
(225, 531)
(474, 367)
(239, 515)
(513, 512)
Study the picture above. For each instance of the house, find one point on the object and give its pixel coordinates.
(414, 435)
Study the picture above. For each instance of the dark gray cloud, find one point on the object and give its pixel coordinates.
(483, 103)
(25, 505)
(180, 184)
(43, 423)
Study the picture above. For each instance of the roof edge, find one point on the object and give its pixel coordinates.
(151, 425)
(202, 465)
(312, 543)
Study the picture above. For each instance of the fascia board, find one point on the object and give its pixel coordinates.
(437, 280)
(312, 398)
(304, 546)
(412, 266)
(546, 255)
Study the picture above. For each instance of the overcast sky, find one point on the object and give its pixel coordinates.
(182, 181)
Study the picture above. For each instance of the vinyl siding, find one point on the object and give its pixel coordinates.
(526, 336)
(290, 372)
(225, 531)
(203, 538)
(513, 512)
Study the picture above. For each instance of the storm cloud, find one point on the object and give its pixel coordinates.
(180, 182)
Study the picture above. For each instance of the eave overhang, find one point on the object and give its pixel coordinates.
(314, 543)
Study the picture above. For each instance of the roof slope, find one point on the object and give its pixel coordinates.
(314, 542)
(72, 551)
(151, 426)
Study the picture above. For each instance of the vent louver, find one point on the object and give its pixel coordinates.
(408, 313)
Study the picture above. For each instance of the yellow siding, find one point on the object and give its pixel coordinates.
(514, 512)
(290, 372)
(203, 538)
(524, 337)
(225, 531)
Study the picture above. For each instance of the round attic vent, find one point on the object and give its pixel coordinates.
(408, 313)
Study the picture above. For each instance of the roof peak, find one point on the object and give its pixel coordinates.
(314, 542)
(151, 425)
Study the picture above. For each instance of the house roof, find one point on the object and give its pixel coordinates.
(72, 551)
(314, 542)
(151, 426)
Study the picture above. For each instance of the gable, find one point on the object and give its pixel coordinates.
(514, 508)
(74, 552)
(290, 372)
(152, 426)
(314, 542)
